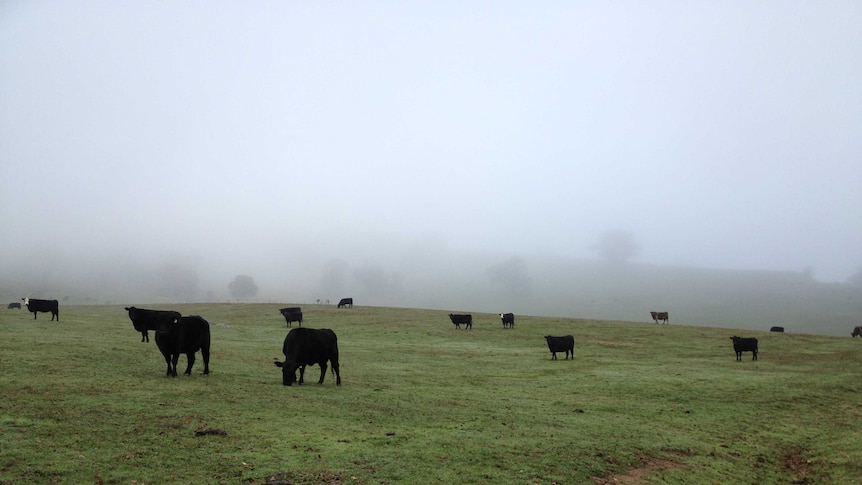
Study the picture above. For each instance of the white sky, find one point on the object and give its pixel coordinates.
(721, 134)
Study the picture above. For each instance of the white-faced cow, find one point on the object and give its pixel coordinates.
(659, 316)
(561, 344)
(308, 346)
(292, 314)
(508, 320)
(345, 302)
(145, 320)
(44, 306)
(458, 320)
(741, 345)
(184, 336)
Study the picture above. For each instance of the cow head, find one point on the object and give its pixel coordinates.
(26, 301)
(288, 372)
(166, 326)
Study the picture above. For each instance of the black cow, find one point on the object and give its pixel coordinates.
(184, 336)
(561, 344)
(292, 314)
(659, 316)
(776, 329)
(857, 332)
(458, 320)
(144, 320)
(45, 306)
(308, 346)
(741, 345)
(508, 320)
(345, 302)
(14, 305)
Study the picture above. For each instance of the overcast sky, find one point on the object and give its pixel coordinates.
(720, 134)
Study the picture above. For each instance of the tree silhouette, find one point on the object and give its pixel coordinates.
(242, 287)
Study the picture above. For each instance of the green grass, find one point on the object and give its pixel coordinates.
(85, 402)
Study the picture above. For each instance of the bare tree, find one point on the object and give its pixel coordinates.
(242, 287)
(617, 246)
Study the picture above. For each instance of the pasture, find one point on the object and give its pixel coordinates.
(84, 401)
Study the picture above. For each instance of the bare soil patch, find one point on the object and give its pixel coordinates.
(638, 474)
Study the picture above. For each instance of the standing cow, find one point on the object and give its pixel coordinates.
(308, 346)
(741, 345)
(145, 320)
(184, 336)
(561, 344)
(857, 332)
(44, 306)
(659, 316)
(292, 314)
(459, 320)
(508, 320)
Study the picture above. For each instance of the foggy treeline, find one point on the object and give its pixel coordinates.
(434, 278)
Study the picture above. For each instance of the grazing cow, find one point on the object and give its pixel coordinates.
(458, 320)
(508, 320)
(741, 345)
(184, 336)
(14, 305)
(659, 316)
(561, 344)
(308, 346)
(45, 306)
(145, 320)
(292, 314)
(345, 302)
(776, 329)
(857, 332)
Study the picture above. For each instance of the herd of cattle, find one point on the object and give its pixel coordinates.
(177, 334)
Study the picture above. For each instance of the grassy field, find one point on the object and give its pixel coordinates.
(84, 401)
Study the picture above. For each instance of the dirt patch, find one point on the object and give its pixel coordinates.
(797, 465)
(638, 474)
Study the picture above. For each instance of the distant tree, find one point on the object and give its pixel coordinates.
(617, 246)
(511, 276)
(242, 287)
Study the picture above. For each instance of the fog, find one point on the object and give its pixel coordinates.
(159, 149)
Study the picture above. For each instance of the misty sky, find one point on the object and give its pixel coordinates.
(720, 134)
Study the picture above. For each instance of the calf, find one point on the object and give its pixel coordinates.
(458, 320)
(741, 345)
(292, 314)
(308, 346)
(45, 306)
(508, 320)
(184, 336)
(561, 344)
(145, 320)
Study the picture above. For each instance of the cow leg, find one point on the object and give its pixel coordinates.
(322, 372)
(173, 364)
(145, 336)
(754, 353)
(190, 357)
(302, 373)
(205, 353)
(337, 373)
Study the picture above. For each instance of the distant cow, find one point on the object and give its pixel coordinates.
(345, 302)
(857, 332)
(184, 336)
(292, 314)
(659, 316)
(458, 320)
(145, 320)
(14, 305)
(741, 345)
(776, 329)
(508, 320)
(561, 344)
(45, 306)
(308, 346)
